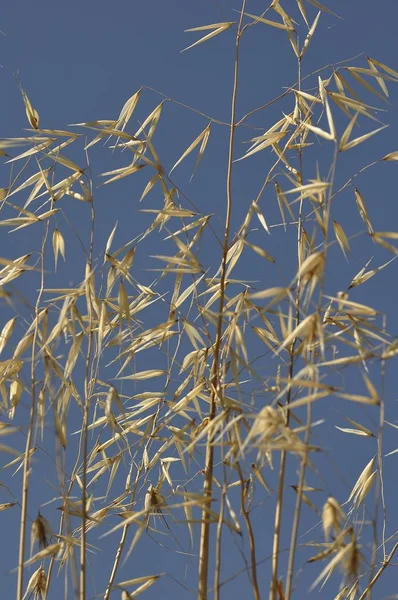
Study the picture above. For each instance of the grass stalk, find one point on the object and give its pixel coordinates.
(209, 460)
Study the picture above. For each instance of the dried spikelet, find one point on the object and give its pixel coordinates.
(58, 246)
(330, 547)
(154, 500)
(16, 389)
(31, 113)
(6, 333)
(270, 429)
(341, 238)
(267, 423)
(37, 585)
(9, 369)
(201, 426)
(23, 345)
(40, 532)
(351, 562)
(331, 566)
(124, 307)
(7, 505)
(353, 591)
(312, 267)
(41, 408)
(363, 485)
(332, 516)
(342, 594)
(73, 354)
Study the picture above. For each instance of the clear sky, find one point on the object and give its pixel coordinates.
(80, 61)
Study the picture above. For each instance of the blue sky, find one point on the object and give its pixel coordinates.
(80, 61)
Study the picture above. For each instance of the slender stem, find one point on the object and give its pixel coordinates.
(87, 394)
(296, 518)
(26, 462)
(209, 460)
(116, 562)
(278, 509)
(297, 510)
(282, 468)
(291, 88)
(380, 455)
(123, 537)
(218, 546)
(25, 487)
(246, 516)
(384, 565)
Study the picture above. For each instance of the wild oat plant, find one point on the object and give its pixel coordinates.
(188, 395)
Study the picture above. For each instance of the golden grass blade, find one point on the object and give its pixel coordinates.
(31, 113)
(127, 111)
(276, 292)
(308, 399)
(64, 161)
(379, 76)
(32, 151)
(355, 74)
(310, 189)
(341, 238)
(152, 119)
(323, 8)
(217, 29)
(30, 181)
(293, 40)
(201, 150)
(357, 397)
(260, 216)
(301, 8)
(37, 585)
(364, 275)
(354, 431)
(58, 245)
(187, 292)
(283, 26)
(6, 333)
(308, 96)
(360, 139)
(357, 105)
(318, 131)
(391, 156)
(51, 550)
(347, 132)
(283, 204)
(260, 251)
(358, 428)
(140, 376)
(384, 67)
(268, 140)
(330, 567)
(304, 330)
(260, 478)
(309, 36)
(202, 137)
(123, 172)
(351, 307)
(363, 485)
(363, 211)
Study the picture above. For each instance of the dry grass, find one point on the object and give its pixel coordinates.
(194, 400)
